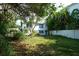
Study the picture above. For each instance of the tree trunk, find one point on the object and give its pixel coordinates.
(21, 26)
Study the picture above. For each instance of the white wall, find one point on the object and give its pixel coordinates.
(37, 29)
(67, 33)
(71, 8)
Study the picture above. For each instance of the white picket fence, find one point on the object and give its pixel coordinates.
(67, 33)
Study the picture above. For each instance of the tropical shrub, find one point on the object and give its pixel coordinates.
(5, 48)
(19, 36)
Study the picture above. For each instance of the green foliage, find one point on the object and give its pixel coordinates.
(61, 20)
(25, 30)
(19, 36)
(39, 8)
(6, 22)
(23, 9)
(75, 13)
(75, 18)
(5, 48)
(64, 18)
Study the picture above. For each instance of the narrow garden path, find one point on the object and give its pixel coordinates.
(19, 48)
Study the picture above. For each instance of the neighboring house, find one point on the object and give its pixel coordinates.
(73, 6)
(41, 27)
(18, 23)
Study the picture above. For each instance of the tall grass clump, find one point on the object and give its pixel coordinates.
(19, 36)
(5, 48)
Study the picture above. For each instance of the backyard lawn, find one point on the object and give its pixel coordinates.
(46, 46)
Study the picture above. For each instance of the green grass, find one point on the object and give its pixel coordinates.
(50, 46)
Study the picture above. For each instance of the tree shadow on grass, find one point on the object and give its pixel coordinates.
(43, 50)
(64, 46)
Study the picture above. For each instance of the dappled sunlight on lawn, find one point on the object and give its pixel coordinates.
(50, 46)
(39, 40)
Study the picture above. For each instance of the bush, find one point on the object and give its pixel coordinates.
(19, 36)
(25, 30)
(5, 48)
(34, 33)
